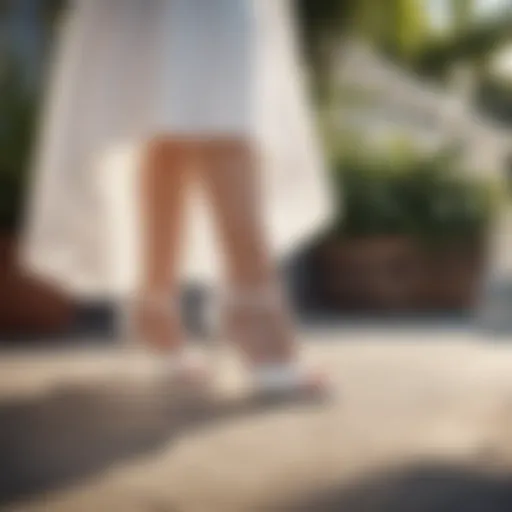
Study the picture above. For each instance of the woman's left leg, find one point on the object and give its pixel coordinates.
(163, 180)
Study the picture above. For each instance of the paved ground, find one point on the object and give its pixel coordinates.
(423, 423)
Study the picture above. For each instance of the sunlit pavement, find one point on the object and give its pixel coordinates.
(422, 421)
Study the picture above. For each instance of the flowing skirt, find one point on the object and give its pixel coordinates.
(126, 71)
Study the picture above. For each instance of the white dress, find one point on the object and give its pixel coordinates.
(127, 70)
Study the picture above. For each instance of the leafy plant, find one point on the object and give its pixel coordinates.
(17, 109)
(429, 198)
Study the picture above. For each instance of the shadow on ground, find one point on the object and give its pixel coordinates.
(422, 488)
(72, 432)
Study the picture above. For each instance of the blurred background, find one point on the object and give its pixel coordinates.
(401, 296)
(414, 101)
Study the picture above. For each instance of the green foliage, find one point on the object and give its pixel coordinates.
(462, 14)
(18, 106)
(495, 96)
(17, 109)
(323, 18)
(398, 27)
(473, 44)
(403, 193)
(401, 29)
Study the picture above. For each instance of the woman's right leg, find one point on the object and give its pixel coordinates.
(231, 176)
(164, 178)
(256, 314)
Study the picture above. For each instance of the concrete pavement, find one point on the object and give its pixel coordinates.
(423, 423)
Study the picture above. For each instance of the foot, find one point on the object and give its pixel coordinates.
(185, 372)
(259, 325)
(290, 381)
(152, 323)
(153, 327)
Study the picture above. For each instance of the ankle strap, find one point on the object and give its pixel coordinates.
(267, 297)
(155, 300)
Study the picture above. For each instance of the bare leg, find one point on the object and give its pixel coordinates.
(163, 180)
(230, 176)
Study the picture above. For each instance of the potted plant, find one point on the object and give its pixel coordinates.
(26, 305)
(410, 235)
(452, 233)
(365, 260)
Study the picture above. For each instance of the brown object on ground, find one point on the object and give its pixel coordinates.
(397, 274)
(453, 276)
(27, 305)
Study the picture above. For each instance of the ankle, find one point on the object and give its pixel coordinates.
(252, 279)
(263, 295)
(152, 294)
(258, 322)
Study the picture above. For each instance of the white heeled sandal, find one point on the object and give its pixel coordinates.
(273, 378)
(181, 366)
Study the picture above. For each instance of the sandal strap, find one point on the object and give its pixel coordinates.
(180, 368)
(282, 377)
(267, 297)
(158, 301)
(277, 374)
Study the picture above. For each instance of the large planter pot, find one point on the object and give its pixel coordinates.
(374, 273)
(396, 274)
(28, 306)
(453, 276)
